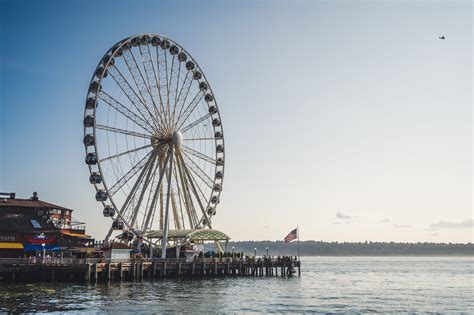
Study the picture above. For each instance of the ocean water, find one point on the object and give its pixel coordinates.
(327, 284)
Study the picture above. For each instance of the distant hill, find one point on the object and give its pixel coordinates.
(320, 248)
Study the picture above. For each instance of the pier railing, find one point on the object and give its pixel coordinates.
(85, 261)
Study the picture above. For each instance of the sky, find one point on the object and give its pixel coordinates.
(350, 119)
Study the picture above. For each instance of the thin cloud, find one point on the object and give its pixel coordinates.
(344, 215)
(386, 220)
(402, 226)
(469, 223)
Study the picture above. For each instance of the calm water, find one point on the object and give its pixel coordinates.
(327, 284)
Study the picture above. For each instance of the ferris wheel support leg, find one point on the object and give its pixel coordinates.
(219, 247)
(164, 241)
(195, 191)
(158, 189)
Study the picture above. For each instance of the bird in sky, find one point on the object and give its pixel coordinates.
(442, 37)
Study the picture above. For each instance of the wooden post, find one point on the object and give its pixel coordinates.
(141, 270)
(228, 268)
(299, 269)
(203, 268)
(95, 273)
(121, 271)
(154, 269)
(215, 268)
(164, 268)
(193, 268)
(179, 269)
(88, 273)
(108, 271)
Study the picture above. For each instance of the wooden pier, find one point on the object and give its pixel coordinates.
(99, 270)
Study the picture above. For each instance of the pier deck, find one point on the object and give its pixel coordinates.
(95, 270)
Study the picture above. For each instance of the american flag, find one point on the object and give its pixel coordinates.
(293, 235)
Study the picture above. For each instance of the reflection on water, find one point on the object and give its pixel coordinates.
(327, 284)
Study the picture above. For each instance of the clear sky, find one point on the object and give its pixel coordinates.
(349, 118)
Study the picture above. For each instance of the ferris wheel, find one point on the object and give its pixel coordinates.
(153, 139)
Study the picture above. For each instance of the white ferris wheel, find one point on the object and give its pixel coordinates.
(154, 140)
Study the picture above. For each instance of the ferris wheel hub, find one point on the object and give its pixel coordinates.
(160, 142)
(177, 139)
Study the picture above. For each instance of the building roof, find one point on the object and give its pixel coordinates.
(29, 203)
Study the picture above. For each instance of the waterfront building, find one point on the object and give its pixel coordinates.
(33, 227)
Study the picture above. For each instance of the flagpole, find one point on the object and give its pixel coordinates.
(298, 235)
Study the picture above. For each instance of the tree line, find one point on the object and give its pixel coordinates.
(367, 248)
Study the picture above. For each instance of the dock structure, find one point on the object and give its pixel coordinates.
(100, 270)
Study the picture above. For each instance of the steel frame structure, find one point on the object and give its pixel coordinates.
(153, 139)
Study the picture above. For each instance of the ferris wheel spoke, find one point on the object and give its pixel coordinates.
(199, 139)
(199, 188)
(130, 203)
(176, 217)
(132, 95)
(193, 188)
(190, 210)
(198, 154)
(140, 83)
(142, 193)
(157, 86)
(112, 102)
(150, 193)
(170, 90)
(123, 131)
(167, 85)
(175, 173)
(189, 109)
(123, 209)
(162, 65)
(130, 174)
(148, 66)
(202, 175)
(164, 240)
(176, 96)
(195, 123)
(183, 97)
(124, 153)
(162, 78)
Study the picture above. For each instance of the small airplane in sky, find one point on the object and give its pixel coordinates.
(441, 37)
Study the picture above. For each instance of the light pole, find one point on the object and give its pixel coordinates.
(255, 252)
(44, 250)
(267, 251)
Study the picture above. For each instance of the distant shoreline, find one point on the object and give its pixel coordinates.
(407, 256)
(353, 249)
